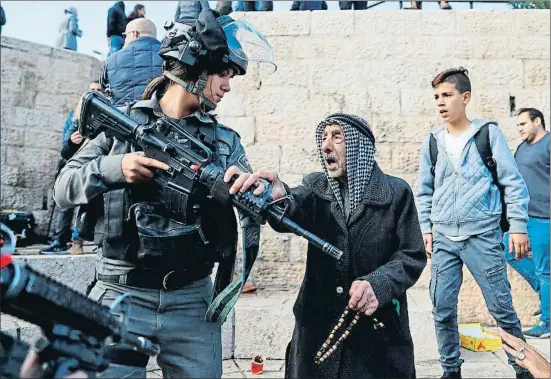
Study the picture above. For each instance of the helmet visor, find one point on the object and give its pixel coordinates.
(249, 44)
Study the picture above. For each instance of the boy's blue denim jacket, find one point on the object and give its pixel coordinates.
(467, 202)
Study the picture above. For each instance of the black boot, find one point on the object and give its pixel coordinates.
(55, 248)
(451, 375)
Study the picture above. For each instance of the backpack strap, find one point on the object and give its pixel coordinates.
(482, 141)
(433, 151)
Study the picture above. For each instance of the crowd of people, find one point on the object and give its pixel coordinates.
(117, 18)
(478, 205)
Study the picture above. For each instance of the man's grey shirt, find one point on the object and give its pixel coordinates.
(533, 164)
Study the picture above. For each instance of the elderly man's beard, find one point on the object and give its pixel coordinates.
(335, 165)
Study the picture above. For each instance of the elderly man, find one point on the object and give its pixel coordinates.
(127, 72)
(351, 315)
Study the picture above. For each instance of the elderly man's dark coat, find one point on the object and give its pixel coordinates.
(382, 243)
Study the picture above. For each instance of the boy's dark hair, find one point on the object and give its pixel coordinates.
(455, 75)
(95, 81)
(137, 7)
(533, 113)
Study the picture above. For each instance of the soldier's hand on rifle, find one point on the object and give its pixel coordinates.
(138, 168)
(246, 180)
(32, 368)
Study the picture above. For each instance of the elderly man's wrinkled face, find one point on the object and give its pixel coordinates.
(334, 151)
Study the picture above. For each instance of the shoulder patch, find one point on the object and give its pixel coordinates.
(223, 148)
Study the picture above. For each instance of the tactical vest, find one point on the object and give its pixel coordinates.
(133, 225)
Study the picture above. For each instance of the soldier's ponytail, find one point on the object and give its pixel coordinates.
(161, 83)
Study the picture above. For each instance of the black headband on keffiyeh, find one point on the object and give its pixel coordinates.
(360, 155)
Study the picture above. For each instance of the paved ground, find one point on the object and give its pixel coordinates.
(477, 364)
(263, 324)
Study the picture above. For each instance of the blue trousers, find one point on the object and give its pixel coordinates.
(115, 44)
(535, 270)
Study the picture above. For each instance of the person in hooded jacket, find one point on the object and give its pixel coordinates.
(69, 31)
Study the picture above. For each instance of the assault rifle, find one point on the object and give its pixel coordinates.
(188, 166)
(79, 333)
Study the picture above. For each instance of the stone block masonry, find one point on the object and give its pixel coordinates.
(377, 64)
(39, 86)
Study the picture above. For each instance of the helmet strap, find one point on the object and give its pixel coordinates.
(195, 88)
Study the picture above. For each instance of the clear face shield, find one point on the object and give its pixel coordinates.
(247, 44)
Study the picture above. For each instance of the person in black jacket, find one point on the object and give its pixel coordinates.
(127, 72)
(116, 23)
(359, 301)
(72, 140)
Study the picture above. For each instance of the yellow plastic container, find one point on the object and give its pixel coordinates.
(473, 338)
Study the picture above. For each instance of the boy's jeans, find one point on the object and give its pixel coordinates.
(535, 270)
(483, 255)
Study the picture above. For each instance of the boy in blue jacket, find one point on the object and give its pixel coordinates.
(460, 208)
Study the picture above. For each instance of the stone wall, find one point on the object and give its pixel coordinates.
(376, 64)
(39, 87)
(379, 65)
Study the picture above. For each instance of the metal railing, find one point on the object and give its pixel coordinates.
(471, 3)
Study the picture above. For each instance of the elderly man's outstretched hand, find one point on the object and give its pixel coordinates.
(246, 180)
